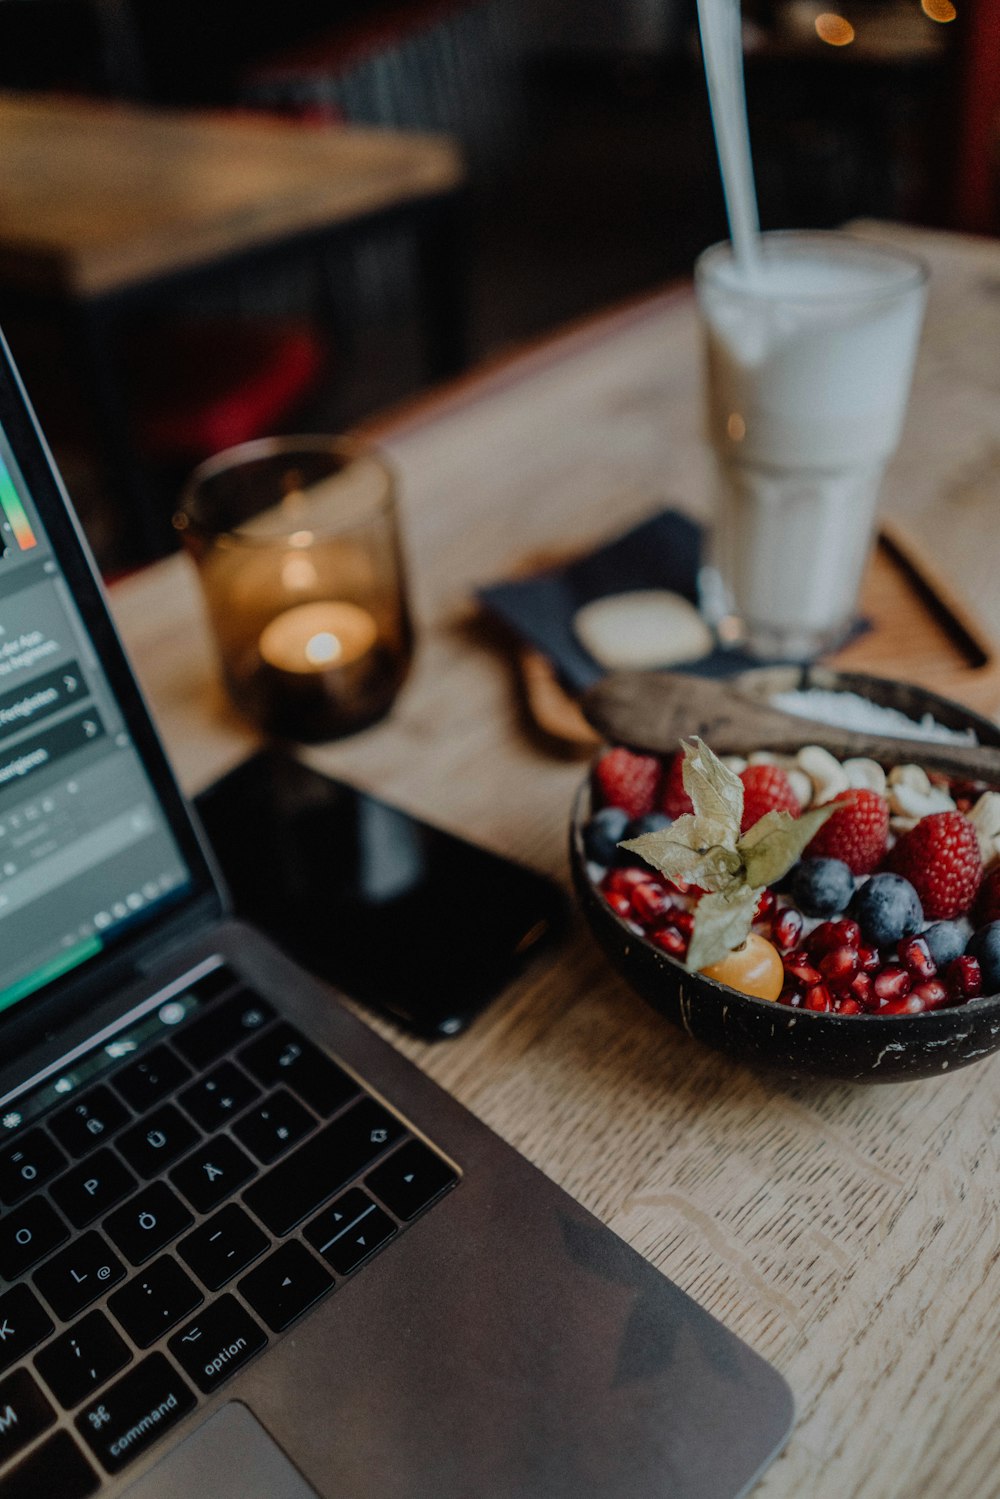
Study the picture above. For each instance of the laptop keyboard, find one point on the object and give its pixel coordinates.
(207, 1193)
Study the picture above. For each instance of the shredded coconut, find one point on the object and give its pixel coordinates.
(846, 710)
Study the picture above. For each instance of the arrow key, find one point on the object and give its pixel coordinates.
(287, 1282)
(352, 1245)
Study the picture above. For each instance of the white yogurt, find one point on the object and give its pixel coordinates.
(808, 370)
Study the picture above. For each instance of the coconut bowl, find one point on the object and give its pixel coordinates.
(766, 1034)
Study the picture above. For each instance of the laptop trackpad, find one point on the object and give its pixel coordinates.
(230, 1457)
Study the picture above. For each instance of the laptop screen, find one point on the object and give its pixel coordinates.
(87, 852)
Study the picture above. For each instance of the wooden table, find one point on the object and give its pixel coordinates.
(104, 205)
(848, 1233)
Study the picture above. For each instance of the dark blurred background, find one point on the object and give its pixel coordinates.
(585, 128)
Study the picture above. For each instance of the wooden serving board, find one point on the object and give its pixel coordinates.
(922, 632)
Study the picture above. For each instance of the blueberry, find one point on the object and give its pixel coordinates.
(985, 946)
(603, 833)
(653, 822)
(946, 940)
(821, 886)
(886, 908)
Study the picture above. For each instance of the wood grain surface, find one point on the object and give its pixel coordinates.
(95, 197)
(848, 1233)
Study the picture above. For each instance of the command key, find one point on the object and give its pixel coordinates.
(126, 1419)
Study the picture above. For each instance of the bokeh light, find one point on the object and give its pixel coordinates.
(837, 31)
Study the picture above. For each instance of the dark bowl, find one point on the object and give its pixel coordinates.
(763, 1033)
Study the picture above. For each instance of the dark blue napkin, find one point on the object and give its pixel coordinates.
(662, 552)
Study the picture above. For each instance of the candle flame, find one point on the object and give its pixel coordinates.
(323, 649)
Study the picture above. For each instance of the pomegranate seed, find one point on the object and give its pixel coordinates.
(891, 984)
(797, 966)
(624, 881)
(818, 998)
(683, 921)
(848, 932)
(791, 994)
(848, 1006)
(870, 959)
(839, 966)
(765, 906)
(863, 990)
(788, 926)
(931, 993)
(619, 903)
(915, 955)
(964, 978)
(669, 939)
(907, 1005)
(822, 939)
(650, 902)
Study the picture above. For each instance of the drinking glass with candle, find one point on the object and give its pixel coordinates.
(297, 546)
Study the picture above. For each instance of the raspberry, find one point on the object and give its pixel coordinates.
(674, 800)
(940, 858)
(987, 907)
(628, 781)
(856, 833)
(766, 788)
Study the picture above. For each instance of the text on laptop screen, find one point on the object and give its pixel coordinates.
(86, 852)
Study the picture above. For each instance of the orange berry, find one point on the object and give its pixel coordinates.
(755, 968)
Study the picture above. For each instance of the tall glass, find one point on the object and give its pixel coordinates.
(297, 546)
(807, 377)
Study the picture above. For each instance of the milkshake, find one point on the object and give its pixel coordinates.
(809, 357)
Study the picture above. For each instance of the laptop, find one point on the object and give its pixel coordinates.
(246, 1249)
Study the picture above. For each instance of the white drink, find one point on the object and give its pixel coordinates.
(809, 360)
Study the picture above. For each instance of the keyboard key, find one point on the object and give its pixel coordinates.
(120, 1423)
(24, 1413)
(160, 1138)
(288, 1282)
(27, 1234)
(146, 1225)
(82, 1359)
(223, 1246)
(283, 1055)
(322, 1166)
(345, 1247)
(208, 1176)
(219, 1097)
(410, 1179)
(223, 1028)
(92, 1119)
(222, 1340)
(56, 1467)
(91, 1189)
(24, 1322)
(27, 1164)
(78, 1275)
(336, 1218)
(154, 1301)
(155, 1074)
(273, 1126)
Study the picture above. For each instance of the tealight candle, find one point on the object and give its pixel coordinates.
(320, 637)
(298, 551)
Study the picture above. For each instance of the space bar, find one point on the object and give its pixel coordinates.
(321, 1167)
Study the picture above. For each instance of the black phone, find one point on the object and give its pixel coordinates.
(415, 922)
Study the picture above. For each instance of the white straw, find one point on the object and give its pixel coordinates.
(722, 49)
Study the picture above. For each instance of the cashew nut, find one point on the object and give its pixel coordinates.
(985, 818)
(801, 786)
(827, 775)
(865, 775)
(912, 794)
